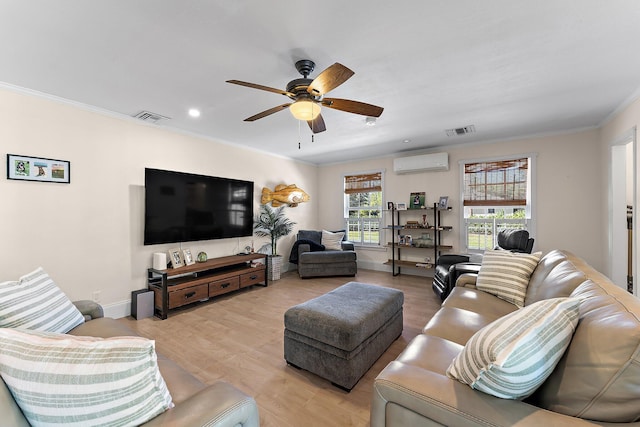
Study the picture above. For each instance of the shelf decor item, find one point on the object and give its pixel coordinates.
(274, 224)
(29, 168)
(188, 257)
(417, 200)
(176, 258)
(443, 204)
(401, 206)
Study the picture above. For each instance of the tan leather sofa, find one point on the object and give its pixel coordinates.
(196, 404)
(597, 382)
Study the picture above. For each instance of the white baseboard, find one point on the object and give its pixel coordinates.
(117, 309)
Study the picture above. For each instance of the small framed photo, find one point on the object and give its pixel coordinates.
(176, 258)
(188, 257)
(390, 206)
(401, 206)
(29, 168)
(443, 203)
(417, 200)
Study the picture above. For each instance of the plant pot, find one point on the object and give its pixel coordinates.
(275, 266)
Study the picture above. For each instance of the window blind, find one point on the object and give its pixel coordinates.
(365, 183)
(496, 183)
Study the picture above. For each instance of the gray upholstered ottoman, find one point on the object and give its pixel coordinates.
(341, 334)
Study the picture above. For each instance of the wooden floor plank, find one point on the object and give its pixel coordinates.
(238, 338)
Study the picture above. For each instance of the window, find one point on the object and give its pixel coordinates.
(363, 207)
(497, 195)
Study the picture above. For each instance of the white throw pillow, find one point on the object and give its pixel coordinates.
(512, 356)
(66, 380)
(35, 302)
(506, 274)
(332, 241)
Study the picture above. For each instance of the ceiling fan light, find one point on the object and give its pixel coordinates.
(304, 109)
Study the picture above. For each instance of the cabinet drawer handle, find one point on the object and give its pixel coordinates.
(254, 277)
(225, 285)
(189, 294)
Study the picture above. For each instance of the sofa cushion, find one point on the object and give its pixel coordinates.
(332, 241)
(506, 274)
(313, 235)
(599, 376)
(63, 379)
(512, 356)
(35, 302)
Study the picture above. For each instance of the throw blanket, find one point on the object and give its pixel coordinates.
(293, 256)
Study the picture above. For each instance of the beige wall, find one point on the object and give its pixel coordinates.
(88, 234)
(568, 196)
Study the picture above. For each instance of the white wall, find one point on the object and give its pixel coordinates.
(88, 234)
(569, 194)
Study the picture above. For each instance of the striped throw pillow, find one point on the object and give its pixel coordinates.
(506, 274)
(512, 356)
(66, 380)
(35, 302)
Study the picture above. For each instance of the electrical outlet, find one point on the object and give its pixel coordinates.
(95, 296)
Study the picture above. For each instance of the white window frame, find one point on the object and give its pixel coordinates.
(529, 221)
(364, 223)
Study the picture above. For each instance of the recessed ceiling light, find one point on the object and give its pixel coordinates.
(194, 112)
(406, 141)
(370, 121)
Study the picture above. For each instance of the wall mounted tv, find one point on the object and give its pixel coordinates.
(184, 207)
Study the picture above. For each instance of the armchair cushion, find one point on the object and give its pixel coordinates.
(515, 240)
(332, 240)
(312, 235)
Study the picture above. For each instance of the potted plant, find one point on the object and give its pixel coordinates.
(274, 224)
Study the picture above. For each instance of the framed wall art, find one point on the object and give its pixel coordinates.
(41, 169)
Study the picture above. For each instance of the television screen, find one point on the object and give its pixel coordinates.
(183, 207)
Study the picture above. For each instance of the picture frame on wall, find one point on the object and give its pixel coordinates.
(176, 258)
(390, 206)
(401, 206)
(417, 200)
(28, 168)
(188, 257)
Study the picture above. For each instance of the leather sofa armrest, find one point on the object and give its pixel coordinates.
(467, 280)
(89, 309)
(409, 393)
(220, 405)
(347, 246)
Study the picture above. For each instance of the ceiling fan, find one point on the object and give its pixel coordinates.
(308, 95)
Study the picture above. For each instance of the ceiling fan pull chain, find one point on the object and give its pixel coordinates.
(312, 139)
(299, 136)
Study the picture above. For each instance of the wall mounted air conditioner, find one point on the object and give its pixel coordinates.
(422, 163)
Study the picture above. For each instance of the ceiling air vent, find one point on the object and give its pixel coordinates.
(461, 131)
(148, 116)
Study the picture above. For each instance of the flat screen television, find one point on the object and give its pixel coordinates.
(184, 207)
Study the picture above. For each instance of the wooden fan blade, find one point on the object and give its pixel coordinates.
(266, 113)
(257, 86)
(329, 79)
(317, 125)
(354, 107)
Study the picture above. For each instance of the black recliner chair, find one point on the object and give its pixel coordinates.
(449, 267)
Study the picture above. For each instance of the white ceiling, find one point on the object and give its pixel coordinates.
(512, 68)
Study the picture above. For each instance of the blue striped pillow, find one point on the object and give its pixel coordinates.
(59, 379)
(35, 302)
(512, 356)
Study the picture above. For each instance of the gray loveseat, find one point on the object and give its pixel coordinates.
(196, 404)
(314, 260)
(597, 381)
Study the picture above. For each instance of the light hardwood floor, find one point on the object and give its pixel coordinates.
(238, 338)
